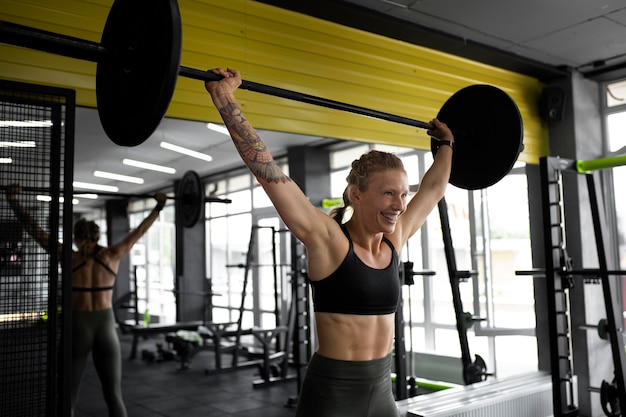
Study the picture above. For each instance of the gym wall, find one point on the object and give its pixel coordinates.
(281, 48)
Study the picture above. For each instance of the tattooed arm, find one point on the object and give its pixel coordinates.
(310, 225)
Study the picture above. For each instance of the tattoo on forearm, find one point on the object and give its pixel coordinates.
(250, 146)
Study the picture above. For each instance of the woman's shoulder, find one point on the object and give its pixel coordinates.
(106, 251)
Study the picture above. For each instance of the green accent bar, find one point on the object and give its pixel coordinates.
(432, 385)
(585, 167)
(427, 384)
(331, 202)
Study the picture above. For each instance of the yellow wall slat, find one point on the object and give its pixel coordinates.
(288, 50)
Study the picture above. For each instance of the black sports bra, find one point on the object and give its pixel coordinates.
(94, 289)
(355, 288)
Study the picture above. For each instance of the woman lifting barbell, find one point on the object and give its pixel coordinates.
(352, 266)
(94, 270)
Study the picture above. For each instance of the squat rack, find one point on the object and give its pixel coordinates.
(559, 275)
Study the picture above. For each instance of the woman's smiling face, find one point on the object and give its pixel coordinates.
(383, 201)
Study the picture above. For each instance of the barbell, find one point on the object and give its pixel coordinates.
(189, 197)
(138, 62)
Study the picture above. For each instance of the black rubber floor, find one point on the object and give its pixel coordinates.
(155, 389)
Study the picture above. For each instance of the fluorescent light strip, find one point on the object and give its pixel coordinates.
(95, 187)
(185, 151)
(145, 165)
(87, 196)
(20, 144)
(118, 177)
(25, 123)
(218, 128)
(6, 161)
(47, 198)
(20, 316)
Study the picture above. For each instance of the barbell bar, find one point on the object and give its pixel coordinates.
(305, 98)
(146, 195)
(189, 197)
(138, 62)
(121, 195)
(124, 195)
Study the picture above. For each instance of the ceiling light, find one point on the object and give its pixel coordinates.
(18, 144)
(47, 198)
(6, 161)
(185, 151)
(218, 128)
(145, 165)
(25, 123)
(89, 196)
(118, 177)
(96, 187)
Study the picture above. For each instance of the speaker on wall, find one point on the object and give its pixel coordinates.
(551, 104)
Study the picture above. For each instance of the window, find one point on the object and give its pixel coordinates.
(616, 93)
(229, 237)
(616, 132)
(265, 272)
(151, 263)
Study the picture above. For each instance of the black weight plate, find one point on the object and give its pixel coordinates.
(189, 199)
(136, 80)
(488, 133)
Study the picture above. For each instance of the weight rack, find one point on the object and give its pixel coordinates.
(559, 276)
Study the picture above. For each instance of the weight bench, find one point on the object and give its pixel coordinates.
(273, 367)
(159, 328)
(221, 337)
(217, 337)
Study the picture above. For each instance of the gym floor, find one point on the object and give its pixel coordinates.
(155, 389)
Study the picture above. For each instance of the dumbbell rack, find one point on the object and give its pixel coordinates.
(559, 276)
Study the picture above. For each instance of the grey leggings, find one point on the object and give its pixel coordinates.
(334, 388)
(94, 331)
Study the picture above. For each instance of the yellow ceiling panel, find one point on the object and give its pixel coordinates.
(317, 57)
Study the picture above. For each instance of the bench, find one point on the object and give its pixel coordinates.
(221, 338)
(159, 328)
